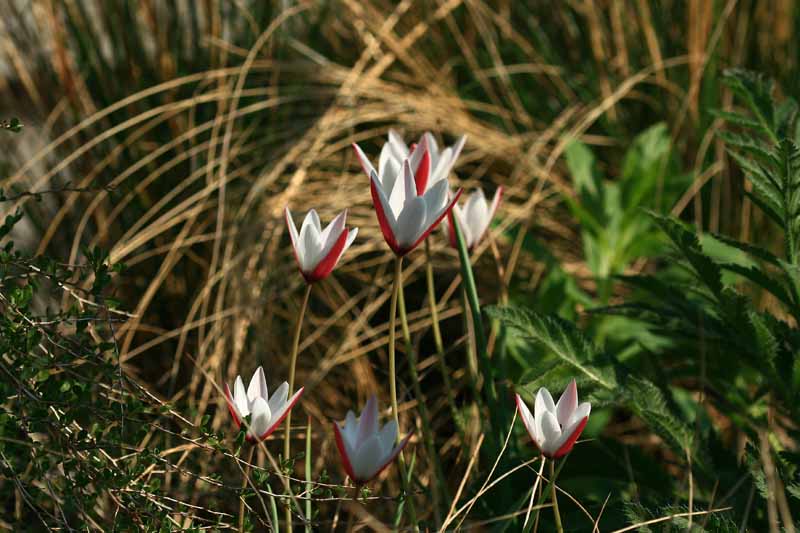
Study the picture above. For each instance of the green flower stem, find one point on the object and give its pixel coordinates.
(309, 484)
(553, 493)
(427, 433)
(287, 437)
(405, 479)
(437, 338)
(472, 363)
(551, 486)
(245, 475)
(477, 319)
(398, 265)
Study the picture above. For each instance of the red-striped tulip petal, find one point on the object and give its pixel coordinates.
(554, 428)
(318, 251)
(266, 412)
(365, 447)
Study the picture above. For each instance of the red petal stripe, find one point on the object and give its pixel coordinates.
(328, 263)
(277, 423)
(348, 468)
(423, 173)
(570, 442)
(435, 223)
(386, 228)
(231, 408)
(451, 234)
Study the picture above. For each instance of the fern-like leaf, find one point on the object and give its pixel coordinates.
(560, 337)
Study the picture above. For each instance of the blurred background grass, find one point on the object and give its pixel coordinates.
(188, 125)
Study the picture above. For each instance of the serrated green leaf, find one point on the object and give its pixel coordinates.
(560, 337)
(688, 245)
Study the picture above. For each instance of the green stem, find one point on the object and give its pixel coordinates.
(398, 274)
(551, 487)
(553, 493)
(287, 437)
(245, 475)
(437, 339)
(427, 434)
(309, 484)
(398, 265)
(469, 347)
(477, 319)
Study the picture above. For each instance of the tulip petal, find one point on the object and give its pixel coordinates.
(409, 185)
(327, 263)
(544, 403)
(278, 417)
(343, 452)
(420, 163)
(476, 212)
(451, 233)
(498, 195)
(569, 437)
(433, 146)
(350, 430)
(368, 458)
(551, 432)
(258, 386)
(411, 222)
(398, 146)
(310, 242)
(368, 422)
(436, 199)
(231, 406)
(567, 404)
(293, 236)
(527, 419)
(397, 194)
(435, 223)
(457, 147)
(364, 160)
(582, 411)
(397, 449)
(330, 234)
(261, 417)
(388, 435)
(240, 397)
(278, 398)
(386, 218)
(457, 215)
(351, 236)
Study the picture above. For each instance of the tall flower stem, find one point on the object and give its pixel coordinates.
(551, 488)
(472, 362)
(405, 479)
(309, 483)
(427, 434)
(437, 336)
(398, 266)
(477, 320)
(553, 492)
(287, 437)
(245, 475)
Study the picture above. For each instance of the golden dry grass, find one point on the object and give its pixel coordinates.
(212, 289)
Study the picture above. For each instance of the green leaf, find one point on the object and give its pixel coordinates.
(560, 337)
(580, 162)
(755, 90)
(766, 343)
(762, 280)
(648, 402)
(755, 251)
(688, 245)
